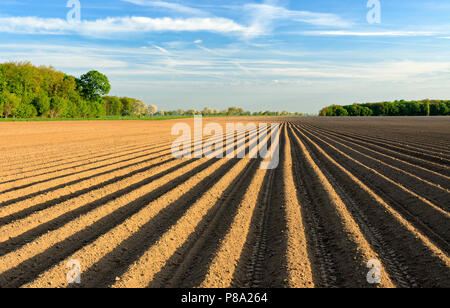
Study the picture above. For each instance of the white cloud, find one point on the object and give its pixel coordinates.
(261, 19)
(152, 64)
(264, 15)
(33, 25)
(110, 27)
(191, 76)
(370, 33)
(198, 41)
(406, 70)
(161, 49)
(168, 5)
(69, 60)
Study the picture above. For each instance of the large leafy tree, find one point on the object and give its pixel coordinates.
(58, 107)
(42, 104)
(10, 103)
(93, 85)
(127, 103)
(113, 105)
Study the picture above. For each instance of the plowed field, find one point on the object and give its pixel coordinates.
(112, 196)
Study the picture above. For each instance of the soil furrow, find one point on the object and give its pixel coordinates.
(345, 195)
(443, 182)
(24, 182)
(434, 193)
(195, 256)
(345, 265)
(72, 154)
(442, 170)
(92, 157)
(421, 148)
(201, 251)
(142, 272)
(396, 270)
(57, 192)
(90, 172)
(297, 261)
(55, 245)
(423, 214)
(438, 158)
(139, 243)
(52, 217)
(111, 244)
(403, 241)
(90, 161)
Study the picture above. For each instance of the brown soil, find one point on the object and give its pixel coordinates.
(110, 195)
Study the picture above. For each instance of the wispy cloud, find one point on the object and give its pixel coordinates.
(162, 50)
(136, 61)
(263, 17)
(369, 33)
(153, 76)
(176, 7)
(109, 27)
(259, 19)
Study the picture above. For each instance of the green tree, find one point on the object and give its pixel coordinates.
(366, 112)
(427, 108)
(10, 102)
(324, 112)
(444, 108)
(392, 109)
(42, 104)
(127, 103)
(93, 85)
(341, 112)
(378, 109)
(96, 109)
(82, 108)
(235, 111)
(353, 110)
(25, 110)
(3, 80)
(113, 105)
(58, 107)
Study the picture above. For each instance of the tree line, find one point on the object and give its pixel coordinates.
(397, 108)
(231, 111)
(124, 106)
(28, 91)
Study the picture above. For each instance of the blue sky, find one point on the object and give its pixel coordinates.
(259, 54)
